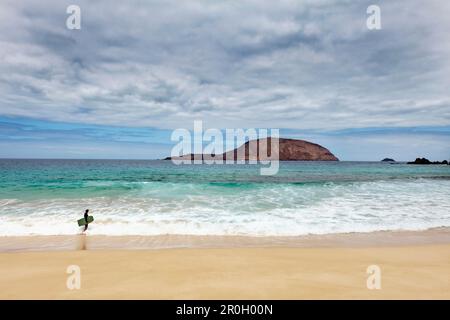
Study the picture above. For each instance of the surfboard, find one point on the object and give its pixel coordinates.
(82, 221)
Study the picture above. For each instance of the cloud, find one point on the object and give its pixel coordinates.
(288, 64)
(28, 138)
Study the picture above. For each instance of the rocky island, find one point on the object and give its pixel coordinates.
(426, 161)
(288, 150)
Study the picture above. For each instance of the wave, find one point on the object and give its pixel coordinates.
(237, 209)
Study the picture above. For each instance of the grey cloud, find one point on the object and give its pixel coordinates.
(290, 64)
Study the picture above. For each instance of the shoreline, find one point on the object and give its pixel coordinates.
(83, 242)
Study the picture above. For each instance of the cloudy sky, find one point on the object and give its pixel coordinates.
(139, 69)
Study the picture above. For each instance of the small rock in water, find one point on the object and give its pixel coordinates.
(426, 161)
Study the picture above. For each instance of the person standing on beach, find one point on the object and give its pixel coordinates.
(86, 219)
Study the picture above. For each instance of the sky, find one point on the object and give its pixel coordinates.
(136, 70)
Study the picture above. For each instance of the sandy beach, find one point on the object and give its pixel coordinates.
(412, 267)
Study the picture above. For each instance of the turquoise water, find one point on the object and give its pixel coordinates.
(158, 197)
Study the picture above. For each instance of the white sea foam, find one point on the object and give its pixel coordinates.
(270, 209)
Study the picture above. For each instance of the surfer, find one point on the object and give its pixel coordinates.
(86, 219)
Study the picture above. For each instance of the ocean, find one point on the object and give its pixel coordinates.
(126, 197)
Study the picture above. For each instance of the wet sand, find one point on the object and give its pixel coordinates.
(346, 240)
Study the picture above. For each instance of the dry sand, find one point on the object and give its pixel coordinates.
(419, 271)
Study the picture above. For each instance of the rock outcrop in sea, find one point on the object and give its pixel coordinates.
(288, 150)
(426, 161)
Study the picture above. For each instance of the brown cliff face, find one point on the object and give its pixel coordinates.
(287, 149)
(292, 150)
